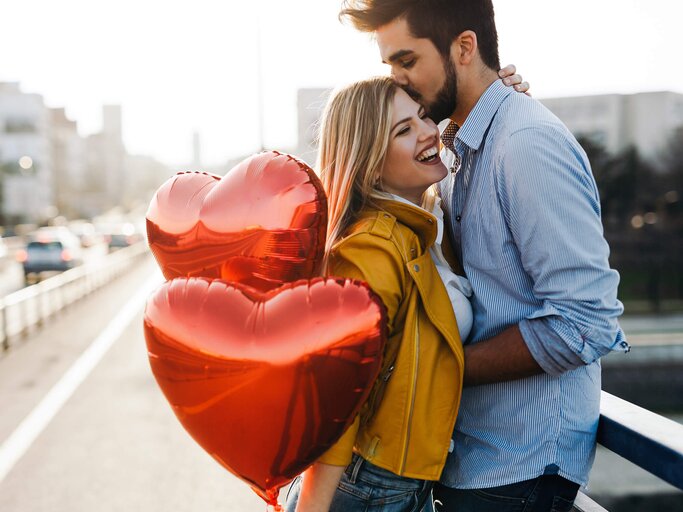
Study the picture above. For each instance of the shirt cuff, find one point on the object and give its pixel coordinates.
(548, 348)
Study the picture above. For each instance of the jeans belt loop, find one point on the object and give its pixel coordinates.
(356, 469)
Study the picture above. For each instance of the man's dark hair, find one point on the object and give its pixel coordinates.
(440, 21)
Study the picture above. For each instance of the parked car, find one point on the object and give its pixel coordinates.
(50, 249)
(121, 235)
(86, 233)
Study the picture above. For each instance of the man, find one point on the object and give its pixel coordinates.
(524, 217)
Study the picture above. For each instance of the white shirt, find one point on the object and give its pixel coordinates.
(458, 287)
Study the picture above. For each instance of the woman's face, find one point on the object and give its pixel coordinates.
(412, 163)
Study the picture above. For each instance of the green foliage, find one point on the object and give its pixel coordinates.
(642, 210)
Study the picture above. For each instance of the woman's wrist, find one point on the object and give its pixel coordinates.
(318, 485)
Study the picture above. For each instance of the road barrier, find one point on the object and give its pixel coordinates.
(30, 307)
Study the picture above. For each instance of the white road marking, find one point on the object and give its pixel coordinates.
(18, 443)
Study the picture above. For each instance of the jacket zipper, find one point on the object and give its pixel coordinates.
(412, 399)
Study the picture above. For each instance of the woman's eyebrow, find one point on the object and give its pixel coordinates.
(401, 121)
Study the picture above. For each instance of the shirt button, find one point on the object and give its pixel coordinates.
(458, 218)
(416, 268)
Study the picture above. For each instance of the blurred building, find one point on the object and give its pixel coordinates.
(310, 105)
(144, 175)
(47, 168)
(26, 168)
(69, 164)
(645, 120)
(105, 157)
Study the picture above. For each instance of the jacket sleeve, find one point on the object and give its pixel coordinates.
(378, 262)
(375, 260)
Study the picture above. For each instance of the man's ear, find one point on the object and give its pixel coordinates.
(464, 48)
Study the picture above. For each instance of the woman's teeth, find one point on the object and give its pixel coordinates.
(428, 154)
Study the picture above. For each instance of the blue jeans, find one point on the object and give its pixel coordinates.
(367, 488)
(547, 493)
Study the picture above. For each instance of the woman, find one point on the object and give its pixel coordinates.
(379, 155)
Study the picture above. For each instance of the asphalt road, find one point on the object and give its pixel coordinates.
(115, 444)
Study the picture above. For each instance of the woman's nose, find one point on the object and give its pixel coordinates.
(428, 128)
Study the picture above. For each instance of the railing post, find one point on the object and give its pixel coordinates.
(5, 331)
(38, 308)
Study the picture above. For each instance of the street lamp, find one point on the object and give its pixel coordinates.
(259, 76)
(26, 164)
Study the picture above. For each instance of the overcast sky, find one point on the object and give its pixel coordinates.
(177, 67)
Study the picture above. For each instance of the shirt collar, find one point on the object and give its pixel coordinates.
(473, 129)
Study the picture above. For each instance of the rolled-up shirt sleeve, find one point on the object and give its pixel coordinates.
(552, 208)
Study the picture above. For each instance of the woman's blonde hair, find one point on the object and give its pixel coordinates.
(354, 136)
(353, 141)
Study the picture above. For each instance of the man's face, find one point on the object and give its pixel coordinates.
(419, 68)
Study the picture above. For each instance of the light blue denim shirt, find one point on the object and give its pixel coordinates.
(524, 217)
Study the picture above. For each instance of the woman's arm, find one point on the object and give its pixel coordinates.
(318, 487)
(376, 261)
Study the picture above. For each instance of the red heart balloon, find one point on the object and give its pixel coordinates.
(265, 382)
(262, 224)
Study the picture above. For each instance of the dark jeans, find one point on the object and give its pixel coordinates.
(367, 488)
(547, 493)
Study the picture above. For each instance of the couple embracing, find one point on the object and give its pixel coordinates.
(485, 244)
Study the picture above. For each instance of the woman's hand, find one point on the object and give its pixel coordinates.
(511, 78)
(318, 487)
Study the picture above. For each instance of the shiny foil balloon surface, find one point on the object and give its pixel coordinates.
(262, 224)
(265, 382)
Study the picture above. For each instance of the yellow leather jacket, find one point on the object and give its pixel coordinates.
(407, 423)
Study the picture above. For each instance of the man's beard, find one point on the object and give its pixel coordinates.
(446, 99)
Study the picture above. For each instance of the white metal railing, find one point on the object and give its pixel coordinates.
(31, 306)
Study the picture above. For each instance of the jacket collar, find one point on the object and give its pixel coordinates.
(419, 220)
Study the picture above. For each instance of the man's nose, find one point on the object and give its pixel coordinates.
(399, 75)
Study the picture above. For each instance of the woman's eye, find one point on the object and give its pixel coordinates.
(403, 130)
(407, 64)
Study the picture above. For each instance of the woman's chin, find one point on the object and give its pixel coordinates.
(440, 170)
